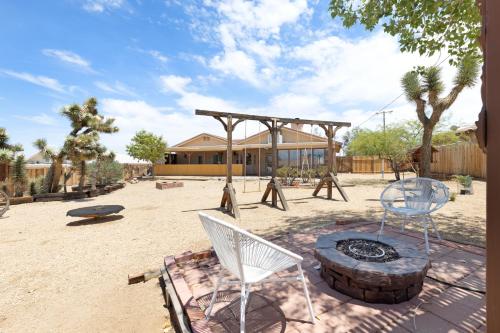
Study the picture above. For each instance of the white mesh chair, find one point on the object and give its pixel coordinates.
(414, 198)
(250, 259)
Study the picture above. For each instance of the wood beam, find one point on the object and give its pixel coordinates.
(491, 102)
(270, 119)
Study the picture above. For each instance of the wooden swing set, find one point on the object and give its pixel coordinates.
(274, 125)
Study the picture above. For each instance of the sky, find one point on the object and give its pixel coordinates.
(151, 63)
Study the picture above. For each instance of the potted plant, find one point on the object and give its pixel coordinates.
(465, 184)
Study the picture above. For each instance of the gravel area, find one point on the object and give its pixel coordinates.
(64, 274)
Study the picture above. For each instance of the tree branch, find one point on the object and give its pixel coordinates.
(421, 111)
(447, 101)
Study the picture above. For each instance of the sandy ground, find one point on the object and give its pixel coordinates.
(61, 274)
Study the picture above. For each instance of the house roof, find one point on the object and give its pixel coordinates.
(242, 141)
(465, 129)
(180, 144)
(417, 149)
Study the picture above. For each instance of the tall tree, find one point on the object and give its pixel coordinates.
(147, 147)
(7, 150)
(82, 143)
(424, 87)
(51, 181)
(424, 26)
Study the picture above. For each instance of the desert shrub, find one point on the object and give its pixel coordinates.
(4, 187)
(32, 188)
(19, 178)
(465, 181)
(453, 196)
(37, 185)
(105, 172)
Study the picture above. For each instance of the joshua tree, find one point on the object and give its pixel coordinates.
(51, 181)
(7, 150)
(81, 145)
(423, 87)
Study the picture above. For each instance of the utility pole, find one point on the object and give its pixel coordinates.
(383, 117)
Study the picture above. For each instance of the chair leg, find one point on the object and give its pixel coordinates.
(403, 224)
(214, 295)
(243, 307)
(426, 237)
(434, 227)
(381, 231)
(306, 292)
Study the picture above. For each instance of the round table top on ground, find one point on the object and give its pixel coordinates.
(95, 211)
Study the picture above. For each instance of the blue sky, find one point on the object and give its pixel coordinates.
(151, 63)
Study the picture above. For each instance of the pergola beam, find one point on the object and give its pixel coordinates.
(263, 119)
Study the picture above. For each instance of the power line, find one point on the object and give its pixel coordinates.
(394, 100)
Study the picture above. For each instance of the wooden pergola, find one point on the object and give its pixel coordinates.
(274, 124)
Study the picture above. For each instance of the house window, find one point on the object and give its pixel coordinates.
(294, 161)
(319, 157)
(249, 159)
(217, 158)
(282, 158)
(200, 159)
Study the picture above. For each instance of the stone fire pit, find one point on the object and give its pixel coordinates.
(372, 268)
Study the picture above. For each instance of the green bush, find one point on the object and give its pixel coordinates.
(465, 181)
(105, 172)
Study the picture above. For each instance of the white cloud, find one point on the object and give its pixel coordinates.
(190, 100)
(99, 6)
(174, 83)
(117, 88)
(42, 119)
(158, 56)
(153, 53)
(132, 116)
(69, 58)
(237, 63)
(39, 80)
(249, 34)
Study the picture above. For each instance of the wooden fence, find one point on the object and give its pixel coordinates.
(34, 171)
(362, 164)
(196, 169)
(462, 158)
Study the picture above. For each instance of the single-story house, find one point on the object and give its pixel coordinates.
(205, 154)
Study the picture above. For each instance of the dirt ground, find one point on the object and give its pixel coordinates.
(62, 274)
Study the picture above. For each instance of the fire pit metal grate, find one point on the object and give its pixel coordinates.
(367, 250)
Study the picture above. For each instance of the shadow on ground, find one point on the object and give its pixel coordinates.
(98, 220)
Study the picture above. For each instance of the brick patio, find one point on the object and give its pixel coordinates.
(281, 307)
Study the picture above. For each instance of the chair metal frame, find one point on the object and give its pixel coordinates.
(251, 259)
(421, 196)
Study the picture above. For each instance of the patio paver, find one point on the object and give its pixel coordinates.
(281, 307)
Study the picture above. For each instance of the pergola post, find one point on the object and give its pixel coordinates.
(330, 177)
(229, 194)
(489, 130)
(274, 186)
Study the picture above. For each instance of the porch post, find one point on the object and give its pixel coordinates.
(491, 100)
